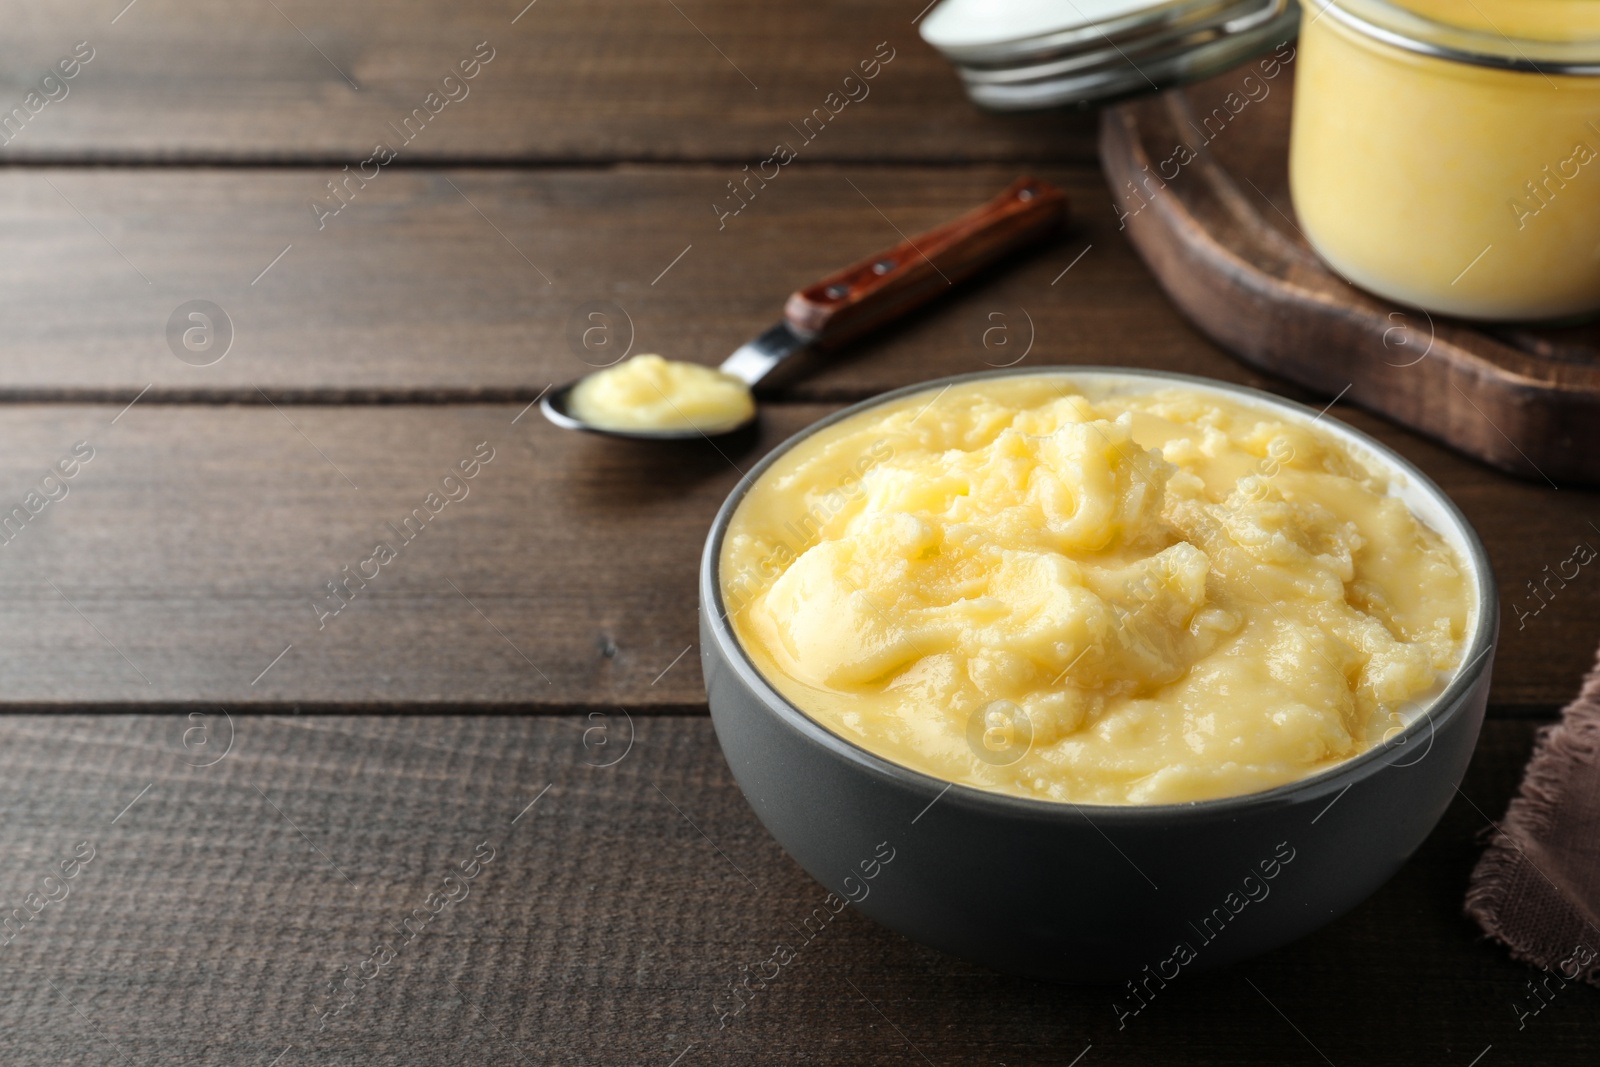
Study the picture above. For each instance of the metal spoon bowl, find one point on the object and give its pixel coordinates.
(750, 362)
(554, 406)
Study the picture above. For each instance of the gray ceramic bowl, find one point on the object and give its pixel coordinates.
(1126, 894)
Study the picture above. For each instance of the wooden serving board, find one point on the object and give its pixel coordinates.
(1200, 179)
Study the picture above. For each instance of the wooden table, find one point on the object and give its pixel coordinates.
(278, 792)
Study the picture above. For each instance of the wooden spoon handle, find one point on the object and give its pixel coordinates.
(868, 294)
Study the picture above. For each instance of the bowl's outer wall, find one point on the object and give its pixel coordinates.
(1083, 894)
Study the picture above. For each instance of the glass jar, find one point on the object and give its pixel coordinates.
(1446, 153)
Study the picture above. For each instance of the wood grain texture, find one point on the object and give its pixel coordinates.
(479, 284)
(196, 545)
(1218, 229)
(223, 900)
(190, 551)
(614, 79)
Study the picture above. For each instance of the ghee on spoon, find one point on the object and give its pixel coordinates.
(651, 396)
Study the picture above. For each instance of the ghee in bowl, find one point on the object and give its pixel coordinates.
(1094, 591)
(1446, 154)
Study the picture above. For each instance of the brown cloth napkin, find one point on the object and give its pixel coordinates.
(1537, 887)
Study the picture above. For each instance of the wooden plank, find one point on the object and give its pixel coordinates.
(188, 553)
(411, 293)
(198, 540)
(614, 79)
(222, 901)
(478, 284)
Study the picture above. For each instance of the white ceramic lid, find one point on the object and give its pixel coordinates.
(968, 23)
(1018, 55)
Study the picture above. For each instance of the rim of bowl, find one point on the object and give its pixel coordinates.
(1443, 707)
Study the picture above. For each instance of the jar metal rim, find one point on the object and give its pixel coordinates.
(1393, 25)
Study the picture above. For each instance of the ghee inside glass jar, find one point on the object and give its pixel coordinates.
(1446, 154)
(1139, 595)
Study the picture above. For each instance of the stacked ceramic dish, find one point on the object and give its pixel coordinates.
(1016, 55)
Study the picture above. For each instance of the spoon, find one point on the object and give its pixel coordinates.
(864, 296)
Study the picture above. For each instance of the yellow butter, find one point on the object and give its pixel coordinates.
(1536, 20)
(651, 393)
(1449, 185)
(1144, 598)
